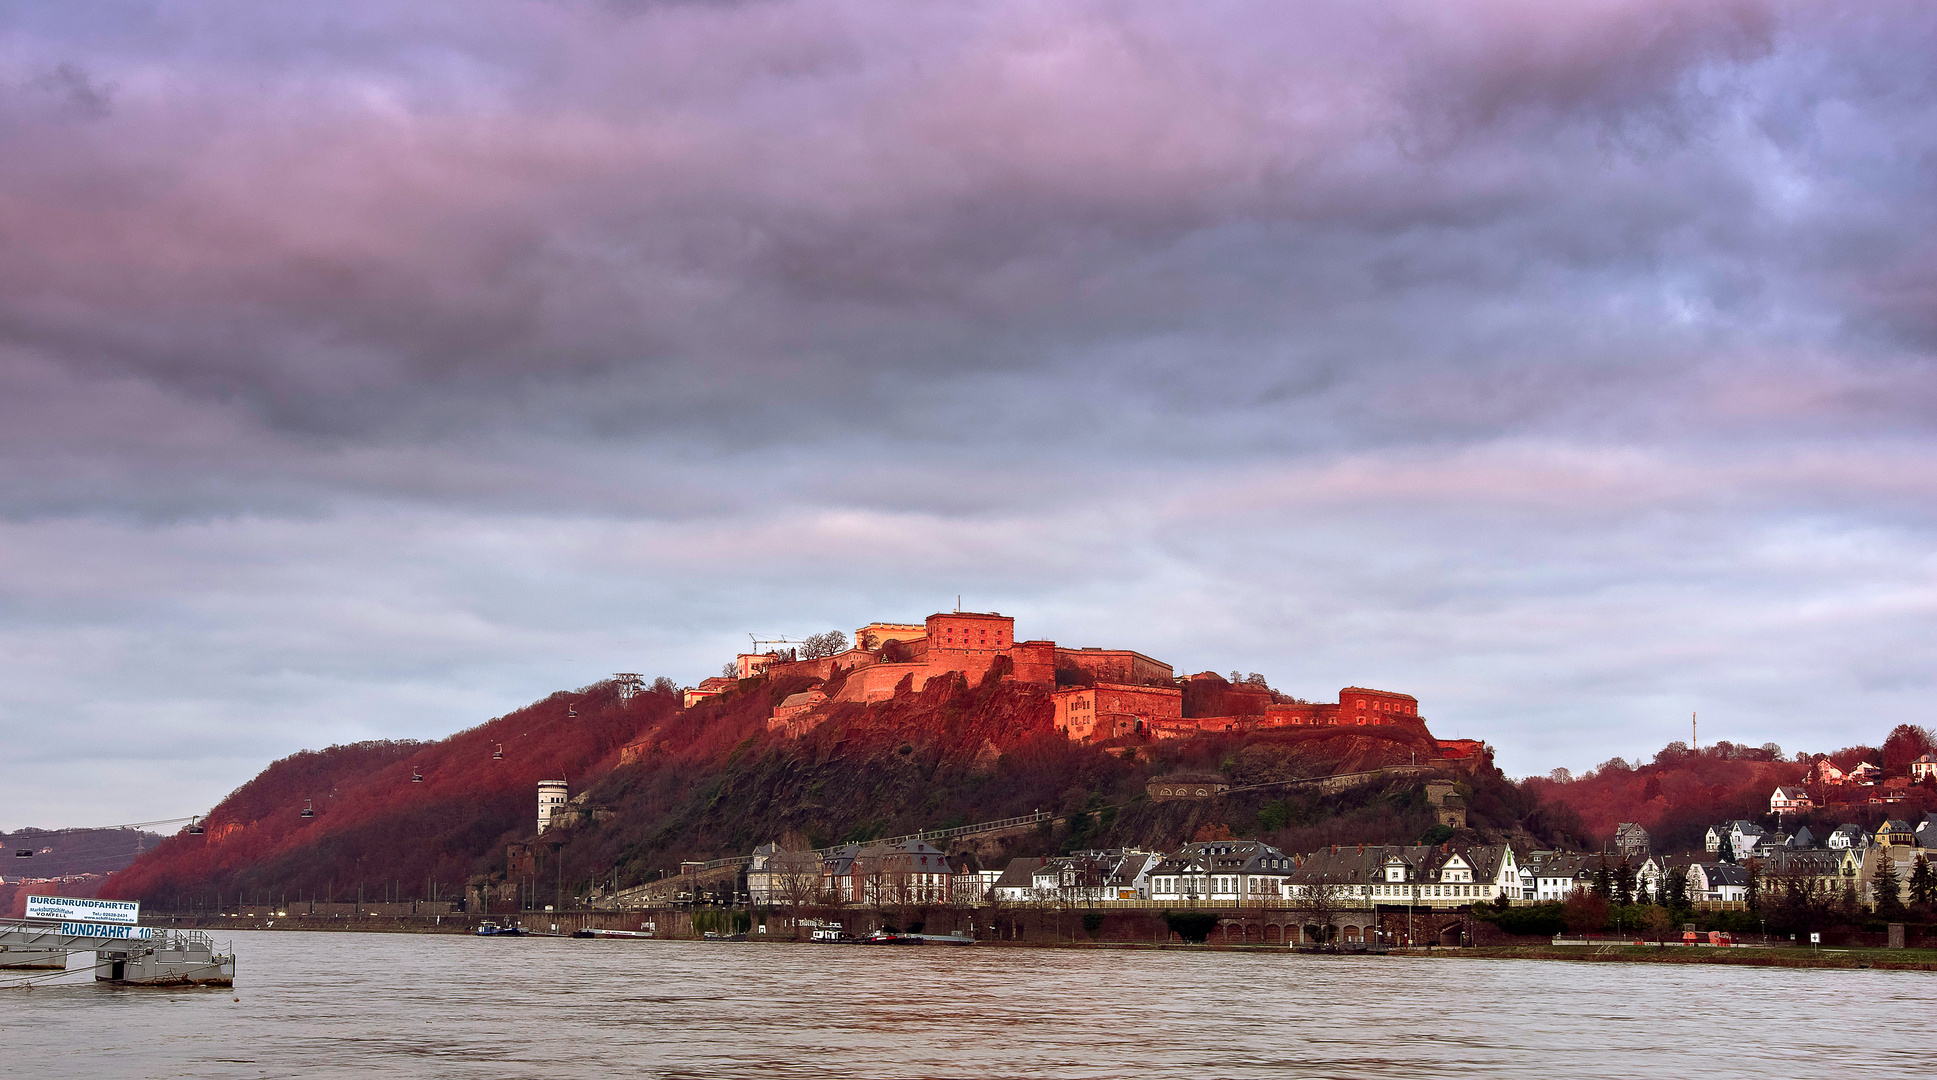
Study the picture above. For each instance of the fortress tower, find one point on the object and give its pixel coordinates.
(551, 796)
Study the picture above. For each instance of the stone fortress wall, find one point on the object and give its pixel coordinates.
(1109, 693)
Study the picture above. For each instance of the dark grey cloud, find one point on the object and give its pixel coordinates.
(369, 370)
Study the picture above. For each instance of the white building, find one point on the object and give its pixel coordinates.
(551, 796)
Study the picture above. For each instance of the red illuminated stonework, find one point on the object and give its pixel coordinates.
(1099, 694)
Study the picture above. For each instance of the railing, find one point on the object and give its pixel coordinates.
(701, 868)
(998, 825)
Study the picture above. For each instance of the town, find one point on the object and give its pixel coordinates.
(945, 775)
(1446, 889)
(1355, 897)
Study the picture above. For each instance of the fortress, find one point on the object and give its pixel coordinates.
(1099, 695)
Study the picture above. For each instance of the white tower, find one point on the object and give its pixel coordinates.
(551, 796)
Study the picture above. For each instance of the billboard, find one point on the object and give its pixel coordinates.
(78, 909)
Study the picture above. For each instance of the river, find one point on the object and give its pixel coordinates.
(319, 1005)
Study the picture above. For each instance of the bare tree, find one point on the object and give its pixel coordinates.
(870, 876)
(817, 646)
(1318, 902)
(797, 879)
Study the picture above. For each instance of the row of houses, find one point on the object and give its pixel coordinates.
(1742, 840)
(1865, 783)
(1217, 872)
(1252, 872)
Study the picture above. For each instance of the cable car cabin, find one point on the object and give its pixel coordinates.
(498, 754)
(23, 853)
(196, 830)
(416, 777)
(307, 811)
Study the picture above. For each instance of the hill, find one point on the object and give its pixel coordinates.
(373, 826)
(1681, 792)
(68, 862)
(657, 783)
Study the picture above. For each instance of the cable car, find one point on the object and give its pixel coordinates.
(23, 853)
(195, 828)
(416, 777)
(571, 711)
(308, 812)
(498, 754)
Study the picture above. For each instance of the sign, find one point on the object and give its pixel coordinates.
(88, 929)
(82, 910)
(1815, 938)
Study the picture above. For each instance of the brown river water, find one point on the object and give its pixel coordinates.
(321, 1005)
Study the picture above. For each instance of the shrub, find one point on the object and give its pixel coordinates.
(1192, 926)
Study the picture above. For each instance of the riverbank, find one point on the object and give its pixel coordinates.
(1852, 959)
(1835, 959)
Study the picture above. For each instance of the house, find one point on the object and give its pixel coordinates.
(1086, 876)
(1743, 837)
(1630, 839)
(1443, 876)
(1650, 875)
(1904, 860)
(1896, 833)
(1848, 837)
(1769, 843)
(1558, 873)
(1805, 872)
(1017, 880)
(905, 872)
(1221, 870)
(1718, 882)
(973, 886)
(1183, 878)
(778, 877)
(1804, 839)
(1924, 768)
(1927, 831)
(1823, 771)
(1866, 773)
(1789, 800)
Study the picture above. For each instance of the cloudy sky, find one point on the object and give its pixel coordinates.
(371, 369)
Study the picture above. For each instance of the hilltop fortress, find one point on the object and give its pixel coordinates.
(1099, 695)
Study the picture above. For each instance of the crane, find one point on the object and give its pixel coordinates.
(758, 641)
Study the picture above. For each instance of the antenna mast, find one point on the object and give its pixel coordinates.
(1694, 732)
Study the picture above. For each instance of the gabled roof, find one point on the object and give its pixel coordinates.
(1721, 873)
(1019, 874)
(1359, 865)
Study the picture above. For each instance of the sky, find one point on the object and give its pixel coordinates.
(369, 370)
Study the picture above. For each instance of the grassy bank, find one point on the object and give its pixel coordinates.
(1881, 959)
